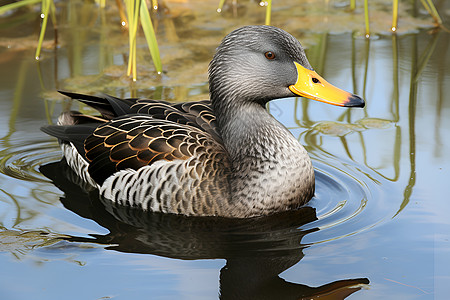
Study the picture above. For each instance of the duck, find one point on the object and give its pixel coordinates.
(223, 157)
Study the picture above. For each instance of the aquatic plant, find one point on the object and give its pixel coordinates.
(427, 4)
(47, 7)
(134, 12)
(138, 10)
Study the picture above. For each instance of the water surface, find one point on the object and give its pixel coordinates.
(377, 226)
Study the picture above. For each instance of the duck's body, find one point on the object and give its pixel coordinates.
(225, 157)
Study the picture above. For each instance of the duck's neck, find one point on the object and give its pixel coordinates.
(271, 171)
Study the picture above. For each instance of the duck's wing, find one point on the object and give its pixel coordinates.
(198, 114)
(134, 141)
(132, 133)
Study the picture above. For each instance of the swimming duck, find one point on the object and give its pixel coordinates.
(223, 157)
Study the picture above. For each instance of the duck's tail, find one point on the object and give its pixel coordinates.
(109, 106)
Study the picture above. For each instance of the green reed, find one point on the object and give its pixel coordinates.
(394, 15)
(366, 17)
(47, 7)
(137, 13)
(137, 10)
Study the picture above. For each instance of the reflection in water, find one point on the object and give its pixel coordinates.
(417, 66)
(341, 130)
(257, 250)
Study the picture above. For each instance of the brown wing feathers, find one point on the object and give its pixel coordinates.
(135, 141)
(198, 114)
(140, 132)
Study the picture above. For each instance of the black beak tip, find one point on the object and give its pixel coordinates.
(355, 101)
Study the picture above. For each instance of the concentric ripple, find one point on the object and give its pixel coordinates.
(347, 201)
(23, 159)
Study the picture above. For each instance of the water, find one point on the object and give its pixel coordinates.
(377, 226)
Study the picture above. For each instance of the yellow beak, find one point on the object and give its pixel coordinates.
(311, 85)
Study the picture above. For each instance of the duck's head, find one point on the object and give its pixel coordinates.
(262, 63)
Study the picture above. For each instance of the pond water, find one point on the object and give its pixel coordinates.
(377, 227)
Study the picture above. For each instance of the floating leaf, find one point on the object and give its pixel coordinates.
(336, 128)
(375, 123)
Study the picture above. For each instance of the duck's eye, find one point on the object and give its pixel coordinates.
(315, 80)
(269, 55)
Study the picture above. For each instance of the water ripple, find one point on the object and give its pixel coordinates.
(345, 202)
(22, 161)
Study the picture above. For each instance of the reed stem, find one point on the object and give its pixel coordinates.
(366, 17)
(44, 14)
(352, 5)
(394, 15)
(221, 3)
(268, 11)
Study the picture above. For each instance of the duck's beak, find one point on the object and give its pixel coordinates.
(311, 85)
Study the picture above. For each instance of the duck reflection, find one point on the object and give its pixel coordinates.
(257, 250)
